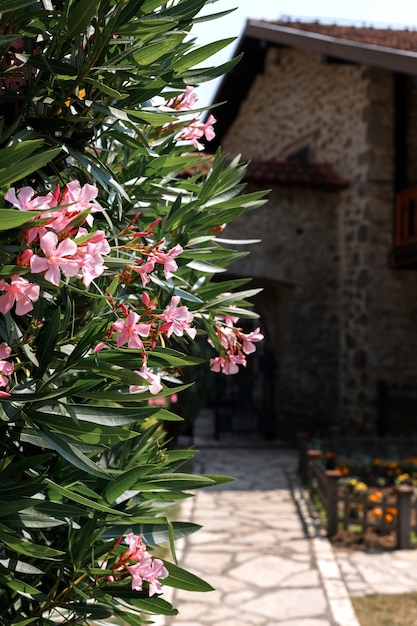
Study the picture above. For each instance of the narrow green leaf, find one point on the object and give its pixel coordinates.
(119, 485)
(80, 16)
(46, 348)
(14, 5)
(18, 151)
(201, 54)
(155, 605)
(71, 452)
(150, 53)
(108, 416)
(204, 266)
(173, 481)
(90, 504)
(152, 533)
(182, 579)
(27, 166)
(29, 548)
(96, 610)
(12, 218)
(13, 565)
(81, 431)
(168, 416)
(26, 590)
(108, 91)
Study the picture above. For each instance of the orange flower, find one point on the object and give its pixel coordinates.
(391, 510)
(377, 512)
(376, 497)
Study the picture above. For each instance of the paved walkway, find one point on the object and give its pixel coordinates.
(259, 547)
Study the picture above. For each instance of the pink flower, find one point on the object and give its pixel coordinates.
(56, 258)
(21, 292)
(185, 101)
(80, 198)
(167, 259)
(177, 320)
(130, 331)
(250, 339)
(196, 130)
(154, 380)
(25, 199)
(136, 548)
(6, 369)
(5, 350)
(144, 270)
(227, 365)
(90, 254)
(150, 570)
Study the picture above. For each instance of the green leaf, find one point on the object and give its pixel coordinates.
(150, 53)
(172, 481)
(182, 579)
(14, 5)
(152, 533)
(97, 434)
(18, 151)
(151, 605)
(96, 610)
(71, 452)
(13, 565)
(201, 54)
(29, 548)
(80, 16)
(109, 416)
(119, 485)
(12, 218)
(108, 91)
(204, 266)
(46, 348)
(26, 590)
(130, 397)
(90, 504)
(27, 166)
(168, 416)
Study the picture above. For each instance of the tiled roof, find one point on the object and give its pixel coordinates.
(388, 38)
(296, 174)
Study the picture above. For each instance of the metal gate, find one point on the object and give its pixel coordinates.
(244, 403)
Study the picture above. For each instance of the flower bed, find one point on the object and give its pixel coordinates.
(366, 501)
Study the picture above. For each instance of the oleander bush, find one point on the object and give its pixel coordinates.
(111, 255)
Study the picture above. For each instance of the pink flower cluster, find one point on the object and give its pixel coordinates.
(195, 129)
(6, 369)
(61, 248)
(140, 565)
(20, 292)
(236, 345)
(130, 329)
(157, 255)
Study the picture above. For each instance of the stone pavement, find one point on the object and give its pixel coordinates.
(262, 552)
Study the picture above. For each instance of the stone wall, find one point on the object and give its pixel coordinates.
(298, 307)
(347, 319)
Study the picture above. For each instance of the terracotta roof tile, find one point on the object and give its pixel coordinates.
(388, 38)
(296, 174)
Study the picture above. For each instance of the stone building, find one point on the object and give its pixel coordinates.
(326, 116)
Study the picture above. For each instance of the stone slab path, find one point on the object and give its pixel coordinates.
(256, 550)
(262, 551)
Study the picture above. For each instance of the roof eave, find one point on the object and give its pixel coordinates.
(393, 59)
